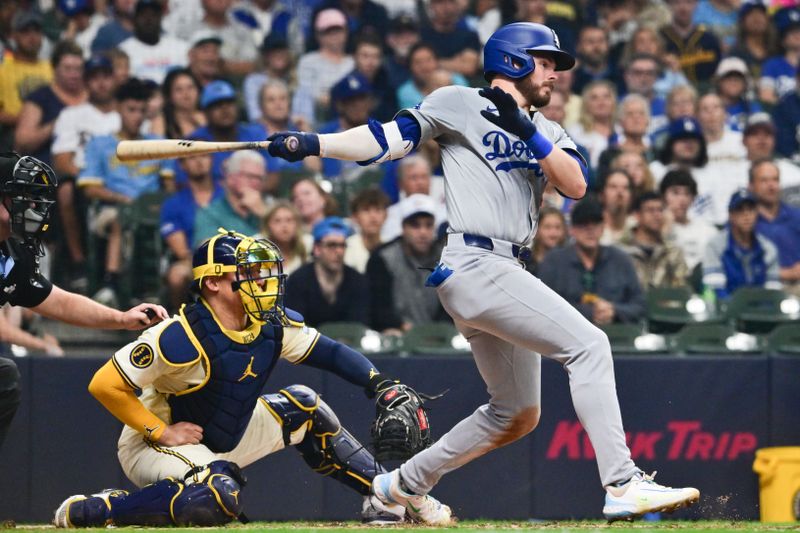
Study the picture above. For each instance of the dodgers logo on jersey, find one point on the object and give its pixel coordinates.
(142, 356)
(501, 147)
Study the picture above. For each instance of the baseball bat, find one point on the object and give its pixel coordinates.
(172, 148)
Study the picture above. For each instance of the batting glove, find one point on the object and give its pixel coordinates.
(509, 117)
(293, 145)
(513, 120)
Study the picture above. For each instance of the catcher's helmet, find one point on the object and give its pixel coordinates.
(258, 265)
(507, 50)
(31, 186)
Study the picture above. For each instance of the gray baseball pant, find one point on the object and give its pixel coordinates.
(509, 318)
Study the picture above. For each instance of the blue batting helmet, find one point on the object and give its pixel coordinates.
(508, 50)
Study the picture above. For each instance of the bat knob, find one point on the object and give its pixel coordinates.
(292, 143)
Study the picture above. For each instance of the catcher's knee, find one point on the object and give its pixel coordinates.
(299, 407)
(326, 447)
(212, 501)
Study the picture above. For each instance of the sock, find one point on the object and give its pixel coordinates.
(405, 488)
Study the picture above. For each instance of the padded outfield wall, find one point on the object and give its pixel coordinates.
(697, 420)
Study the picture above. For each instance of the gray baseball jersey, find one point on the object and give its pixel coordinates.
(494, 189)
(493, 185)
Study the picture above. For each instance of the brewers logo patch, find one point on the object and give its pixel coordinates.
(142, 356)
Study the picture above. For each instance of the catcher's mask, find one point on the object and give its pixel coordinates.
(31, 189)
(258, 268)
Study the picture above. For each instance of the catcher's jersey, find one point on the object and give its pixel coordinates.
(144, 366)
(493, 185)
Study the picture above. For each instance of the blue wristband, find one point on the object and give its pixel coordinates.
(539, 145)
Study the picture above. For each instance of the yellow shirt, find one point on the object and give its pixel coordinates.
(19, 79)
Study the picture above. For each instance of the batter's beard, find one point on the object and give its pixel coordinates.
(533, 92)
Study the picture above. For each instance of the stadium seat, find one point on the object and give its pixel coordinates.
(785, 339)
(758, 310)
(623, 340)
(142, 248)
(432, 338)
(667, 310)
(715, 339)
(349, 333)
(361, 338)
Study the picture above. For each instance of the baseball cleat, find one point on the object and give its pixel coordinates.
(642, 495)
(376, 513)
(83, 511)
(425, 509)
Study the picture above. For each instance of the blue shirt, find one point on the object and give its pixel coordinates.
(408, 95)
(109, 36)
(739, 111)
(784, 231)
(245, 132)
(722, 23)
(131, 179)
(178, 213)
(779, 73)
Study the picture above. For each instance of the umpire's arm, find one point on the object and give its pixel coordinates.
(81, 311)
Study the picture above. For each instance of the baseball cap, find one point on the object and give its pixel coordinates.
(685, 127)
(215, 92)
(274, 41)
(417, 204)
(786, 19)
(731, 65)
(330, 18)
(73, 7)
(352, 85)
(148, 4)
(587, 211)
(97, 62)
(403, 22)
(749, 5)
(740, 197)
(203, 37)
(25, 19)
(760, 120)
(331, 226)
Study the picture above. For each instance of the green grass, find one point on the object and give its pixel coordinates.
(472, 526)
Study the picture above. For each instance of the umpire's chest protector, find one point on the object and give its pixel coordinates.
(238, 366)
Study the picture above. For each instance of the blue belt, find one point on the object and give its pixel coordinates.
(523, 253)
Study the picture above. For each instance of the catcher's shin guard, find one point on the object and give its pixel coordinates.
(327, 448)
(211, 500)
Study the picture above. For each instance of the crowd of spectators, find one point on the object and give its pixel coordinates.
(688, 112)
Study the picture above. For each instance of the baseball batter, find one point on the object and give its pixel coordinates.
(498, 154)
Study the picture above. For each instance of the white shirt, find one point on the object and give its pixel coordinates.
(77, 124)
(593, 141)
(153, 62)
(692, 238)
(721, 177)
(357, 254)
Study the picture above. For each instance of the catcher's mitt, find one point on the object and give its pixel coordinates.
(401, 427)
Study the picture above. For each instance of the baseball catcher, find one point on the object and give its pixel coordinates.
(202, 415)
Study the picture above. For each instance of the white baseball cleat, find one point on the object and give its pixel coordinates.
(376, 513)
(642, 495)
(61, 518)
(425, 509)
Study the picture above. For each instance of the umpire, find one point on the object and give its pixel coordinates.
(27, 197)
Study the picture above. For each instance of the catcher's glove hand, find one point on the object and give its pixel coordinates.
(401, 427)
